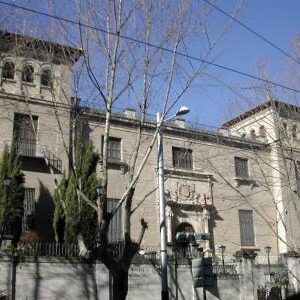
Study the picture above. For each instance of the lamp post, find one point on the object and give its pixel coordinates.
(162, 203)
(7, 184)
(268, 250)
(222, 248)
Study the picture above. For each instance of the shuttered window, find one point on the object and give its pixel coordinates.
(24, 131)
(182, 158)
(115, 227)
(241, 167)
(246, 227)
(29, 208)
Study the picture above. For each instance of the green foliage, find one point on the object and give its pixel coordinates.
(80, 216)
(11, 198)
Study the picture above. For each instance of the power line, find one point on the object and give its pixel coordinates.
(153, 46)
(252, 31)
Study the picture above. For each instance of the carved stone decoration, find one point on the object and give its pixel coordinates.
(186, 191)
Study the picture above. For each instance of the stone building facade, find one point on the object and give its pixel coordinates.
(216, 182)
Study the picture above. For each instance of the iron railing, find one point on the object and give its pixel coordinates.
(53, 249)
(30, 148)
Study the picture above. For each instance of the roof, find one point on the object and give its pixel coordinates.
(278, 105)
(10, 40)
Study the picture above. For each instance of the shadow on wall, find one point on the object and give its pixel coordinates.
(41, 279)
(44, 214)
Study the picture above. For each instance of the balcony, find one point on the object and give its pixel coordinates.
(32, 149)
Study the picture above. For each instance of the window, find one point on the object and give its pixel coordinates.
(113, 148)
(246, 227)
(284, 126)
(243, 136)
(25, 134)
(241, 167)
(182, 158)
(262, 131)
(252, 134)
(297, 172)
(294, 131)
(115, 226)
(28, 74)
(29, 209)
(46, 78)
(8, 71)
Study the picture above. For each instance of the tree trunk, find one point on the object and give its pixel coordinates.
(119, 284)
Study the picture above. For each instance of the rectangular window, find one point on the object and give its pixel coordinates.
(113, 148)
(29, 208)
(25, 131)
(241, 167)
(115, 226)
(297, 172)
(182, 158)
(246, 227)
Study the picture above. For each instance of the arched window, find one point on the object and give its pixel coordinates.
(284, 126)
(185, 227)
(243, 135)
(252, 134)
(46, 78)
(262, 131)
(8, 70)
(28, 73)
(294, 131)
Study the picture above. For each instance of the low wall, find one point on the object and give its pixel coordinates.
(56, 278)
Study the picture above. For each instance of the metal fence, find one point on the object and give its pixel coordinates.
(55, 249)
(48, 249)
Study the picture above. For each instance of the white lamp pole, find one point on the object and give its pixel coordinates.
(162, 203)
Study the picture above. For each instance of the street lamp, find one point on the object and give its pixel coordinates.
(268, 250)
(162, 203)
(7, 181)
(222, 249)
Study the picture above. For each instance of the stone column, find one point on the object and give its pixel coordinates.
(293, 264)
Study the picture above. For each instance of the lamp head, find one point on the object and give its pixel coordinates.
(7, 181)
(268, 249)
(183, 110)
(222, 248)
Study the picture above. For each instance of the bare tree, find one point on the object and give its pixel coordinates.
(134, 54)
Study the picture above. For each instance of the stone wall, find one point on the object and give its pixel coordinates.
(58, 278)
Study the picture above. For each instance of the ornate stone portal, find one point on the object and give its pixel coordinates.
(189, 200)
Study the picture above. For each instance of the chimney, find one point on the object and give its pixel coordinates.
(179, 122)
(129, 113)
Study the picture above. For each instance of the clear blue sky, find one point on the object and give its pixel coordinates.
(276, 20)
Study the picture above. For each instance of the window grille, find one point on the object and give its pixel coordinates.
(115, 226)
(25, 134)
(113, 148)
(246, 227)
(241, 167)
(182, 158)
(8, 70)
(29, 208)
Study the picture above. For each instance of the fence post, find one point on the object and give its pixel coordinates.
(246, 279)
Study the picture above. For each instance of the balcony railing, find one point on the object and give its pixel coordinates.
(28, 148)
(33, 149)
